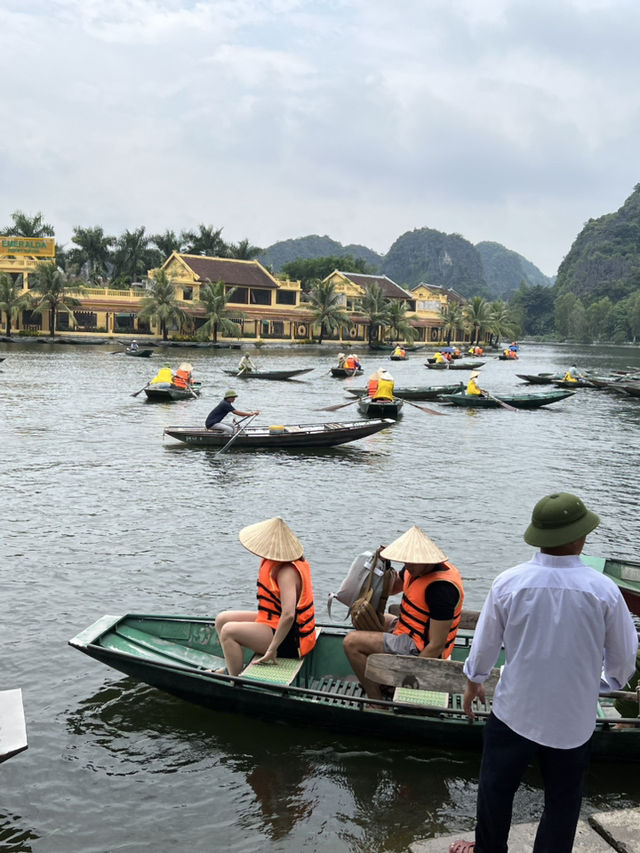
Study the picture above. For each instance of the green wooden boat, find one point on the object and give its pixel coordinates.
(518, 401)
(165, 392)
(429, 392)
(380, 408)
(624, 573)
(177, 653)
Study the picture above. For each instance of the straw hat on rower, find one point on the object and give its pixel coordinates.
(272, 540)
(186, 366)
(414, 546)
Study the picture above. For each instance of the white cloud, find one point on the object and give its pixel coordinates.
(502, 120)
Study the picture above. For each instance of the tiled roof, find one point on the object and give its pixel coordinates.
(240, 273)
(390, 288)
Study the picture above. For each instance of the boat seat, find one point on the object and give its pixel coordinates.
(293, 429)
(167, 649)
(413, 696)
(282, 673)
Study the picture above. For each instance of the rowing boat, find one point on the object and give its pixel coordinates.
(177, 653)
(539, 378)
(624, 573)
(344, 372)
(466, 364)
(437, 365)
(138, 353)
(518, 401)
(428, 392)
(290, 436)
(166, 392)
(267, 374)
(380, 408)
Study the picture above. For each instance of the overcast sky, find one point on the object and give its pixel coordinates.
(503, 120)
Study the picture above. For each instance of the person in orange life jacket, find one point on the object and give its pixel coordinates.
(183, 376)
(215, 416)
(432, 596)
(384, 390)
(284, 622)
(372, 387)
(350, 363)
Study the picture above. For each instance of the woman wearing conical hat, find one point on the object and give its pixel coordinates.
(432, 596)
(284, 623)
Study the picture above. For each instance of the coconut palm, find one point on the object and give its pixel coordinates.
(213, 298)
(94, 250)
(502, 323)
(205, 241)
(243, 251)
(167, 243)
(452, 319)
(162, 304)
(12, 302)
(52, 287)
(28, 226)
(326, 309)
(375, 306)
(399, 321)
(132, 257)
(477, 317)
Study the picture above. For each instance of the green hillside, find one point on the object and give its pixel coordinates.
(505, 270)
(314, 246)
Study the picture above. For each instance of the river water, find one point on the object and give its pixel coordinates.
(104, 516)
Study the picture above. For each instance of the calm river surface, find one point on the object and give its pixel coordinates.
(101, 515)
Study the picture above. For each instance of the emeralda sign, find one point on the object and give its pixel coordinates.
(39, 247)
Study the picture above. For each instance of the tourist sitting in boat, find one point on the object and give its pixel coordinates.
(133, 346)
(341, 358)
(246, 365)
(399, 350)
(372, 386)
(478, 350)
(284, 623)
(510, 353)
(384, 391)
(165, 374)
(350, 362)
(457, 352)
(356, 360)
(215, 416)
(472, 387)
(440, 359)
(432, 596)
(572, 375)
(184, 376)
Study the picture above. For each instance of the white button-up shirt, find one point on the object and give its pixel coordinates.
(564, 626)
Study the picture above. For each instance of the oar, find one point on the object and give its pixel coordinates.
(445, 676)
(500, 402)
(234, 436)
(340, 406)
(141, 390)
(424, 409)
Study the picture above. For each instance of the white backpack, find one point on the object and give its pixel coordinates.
(368, 572)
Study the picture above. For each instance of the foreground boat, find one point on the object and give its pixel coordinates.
(518, 401)
(624, 573)
(380, 408)
(343, 372)
(428, 392)
(267, 374)
(165, 392)
(176, 653)
(291, 436)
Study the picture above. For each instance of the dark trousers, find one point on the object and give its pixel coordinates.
(505, 758)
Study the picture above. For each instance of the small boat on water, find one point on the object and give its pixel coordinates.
(437, 365)
(428, 392)
(13, 731)
(167, 392)
(466, 364)
(138, 353)
(344, 372)
(177, 653)
(268, 374)
(567, 383)
(380, 408)
(503, 357)
(539, 378)
(624, 573)
(518, 401)
(291, 436)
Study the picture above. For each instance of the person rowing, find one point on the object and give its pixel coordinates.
(215, 416)
(246, 365)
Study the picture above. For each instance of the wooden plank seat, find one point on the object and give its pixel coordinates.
(161, 649)
(283, 672)
(413, 696)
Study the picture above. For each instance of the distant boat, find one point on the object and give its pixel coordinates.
(428, 392)
(344, 372)
(539, 378)
(466, 364)
(518, 401)
(268, 374)
(138, 353)
(166, 392)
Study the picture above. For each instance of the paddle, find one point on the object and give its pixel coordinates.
(340, 406)
(234, 436)
(424, 409)
(141, 390)
(500, 402)
(445, 676)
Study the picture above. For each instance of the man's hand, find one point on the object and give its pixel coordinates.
(472, 691)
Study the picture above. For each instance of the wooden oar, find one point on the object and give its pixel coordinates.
(500, 402)
(234, 436)
(445, 676)
(141, 390)
(340, 406)
(424, 408)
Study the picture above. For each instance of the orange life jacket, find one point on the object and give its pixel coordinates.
(350, 363)
(270, 607)
(372, 388)
(414, 612)
(182, 378)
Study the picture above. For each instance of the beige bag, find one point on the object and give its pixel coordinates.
(364, 616)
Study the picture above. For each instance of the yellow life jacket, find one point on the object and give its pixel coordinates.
(385, 389)
(163, 375)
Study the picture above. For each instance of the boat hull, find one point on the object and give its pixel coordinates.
(292, 436)
(379, 408)
(625, 574)
(522, 401)
(343, 372)
(539, 378)
(268, 374)
(432, 392)
(139, 353)
(165, 392)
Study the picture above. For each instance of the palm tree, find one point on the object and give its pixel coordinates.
(375, 307)
(132, 255)
(477, 317)
(28, 226)
(502, 323)
(94, 250)
(162, 304)
(326, 309)
(452, 319)
(167, 243)
(206, 241)
(399, 321)
(12, 302)
(213, 298)
(53, 285)
(243, 251)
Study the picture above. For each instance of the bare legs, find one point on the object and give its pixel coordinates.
(358, 645)
(238, 629)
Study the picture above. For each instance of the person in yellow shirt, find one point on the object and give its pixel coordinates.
(473, 388)
(385, 386)
(163, 375)
(440, 359)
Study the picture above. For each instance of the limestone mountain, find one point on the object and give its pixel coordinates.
(314, 246)
(505, 270)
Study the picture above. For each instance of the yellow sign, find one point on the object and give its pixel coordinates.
(38, 247)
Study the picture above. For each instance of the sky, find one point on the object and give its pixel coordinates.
(502, 120)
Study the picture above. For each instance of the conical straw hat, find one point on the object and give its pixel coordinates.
(414, 546)
(271, 540)
(186, 366)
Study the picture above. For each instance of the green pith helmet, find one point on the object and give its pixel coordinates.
(559, 519)
(229, 394)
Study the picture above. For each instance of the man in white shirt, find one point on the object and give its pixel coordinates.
(567, 635)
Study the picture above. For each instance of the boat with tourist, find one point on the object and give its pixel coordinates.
(345, 372)
(516, 401)
(167, 392)
(427, 392)
(291, 436)
(138, 353)
(380, 408)
(178, 654)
